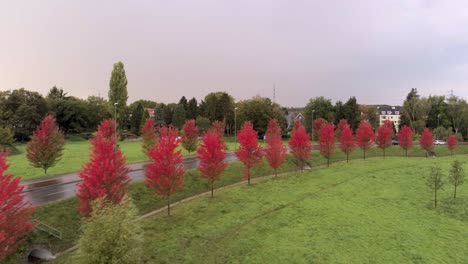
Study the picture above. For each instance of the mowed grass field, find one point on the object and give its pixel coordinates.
(75, 155)
(372, 211)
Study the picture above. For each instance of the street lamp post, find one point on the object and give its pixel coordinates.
(115, 118)
(235, 128)
(312, 125)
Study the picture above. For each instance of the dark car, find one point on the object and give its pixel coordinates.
(394, 142)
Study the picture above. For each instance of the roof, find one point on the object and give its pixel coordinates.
(388, 110)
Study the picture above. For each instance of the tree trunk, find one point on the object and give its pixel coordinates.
(347, 157)
(248, 177)
(455, 192)
(276, 172)
(168, 201)
(406, 152)
(435, 198)
(364, 154)
(328, 161)
(384, 153)
(212, 189)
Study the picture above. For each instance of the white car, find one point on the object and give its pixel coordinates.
(439, 142)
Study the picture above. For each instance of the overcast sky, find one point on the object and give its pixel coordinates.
(374, 50)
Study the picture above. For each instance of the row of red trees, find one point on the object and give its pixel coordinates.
(106, 175)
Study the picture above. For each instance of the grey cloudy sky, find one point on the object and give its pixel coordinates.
(374, 50)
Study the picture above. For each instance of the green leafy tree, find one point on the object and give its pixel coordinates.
(437, 115)
(137, 119)
(6, 137)
(111, 234)
(259, 111)
(118, 92)
(97, 109)
(218, 106)
(203, 124)
(322, 107)
(22, 111)
(183, 102)
(352, 113)
(456, 176)
(456, 109)
(192, 109)
(71, 114)
(168, 113)
(178, 117)
(56, 94)
(434, 181)
(415, 111)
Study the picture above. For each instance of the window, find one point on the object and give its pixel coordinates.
(397, 112)
(389, 112)
(382, 113)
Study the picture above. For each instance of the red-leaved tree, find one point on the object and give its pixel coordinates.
(190, 136)
(105, 174)
(15, 212)
(300, 145)
(275, 152)
(46, 145)
(327, 141)
(211, 155)
(383, 139)
(165, 173)
(218, 126)
(318, 124)
(427, 141)
(347, 143)
(340, 127)
(405, 139)
(148, 135)
(249, 151)
(364, 136)
(452, 143)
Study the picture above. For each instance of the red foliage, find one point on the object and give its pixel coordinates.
(427, 141)
(249, 152)
(318, 124)
(211, 155)
(327, 141)
(387, 123)
(364, 136)
(383, 139)
(405, 139)
(190, 136)
(340, 127)
(218, 127)
(15, 212)
(300, 145)
(347, 143)
(149, 135)
(105, 174)
(165, 173)
(275, 152)
(452, 143)
(46, 145)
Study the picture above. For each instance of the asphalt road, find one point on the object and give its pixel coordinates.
(43, 191)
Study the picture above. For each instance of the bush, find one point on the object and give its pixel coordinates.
(111, 235)
(6, 136)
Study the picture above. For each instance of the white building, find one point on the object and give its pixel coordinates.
(391, 113)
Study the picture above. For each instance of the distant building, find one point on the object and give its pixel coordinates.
(291, 114)
(392, 113)
(150, 112)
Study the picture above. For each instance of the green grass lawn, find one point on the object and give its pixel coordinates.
(373, 211)
(63, 214)
(75, 155)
